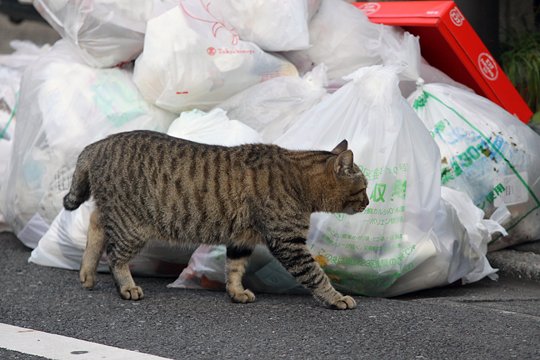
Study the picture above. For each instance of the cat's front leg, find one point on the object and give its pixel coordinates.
(123, 245)
(237, 258)
(294, 255)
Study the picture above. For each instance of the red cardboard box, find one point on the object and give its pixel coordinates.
(448, 42)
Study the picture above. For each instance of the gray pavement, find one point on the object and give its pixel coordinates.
(522, 262)
(484, 320)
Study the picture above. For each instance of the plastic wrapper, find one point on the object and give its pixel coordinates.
(273, 106)
(105, 32)
(488, 154)
(192, 59)
(65, 105)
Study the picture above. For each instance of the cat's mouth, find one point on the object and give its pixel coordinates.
(352, 211)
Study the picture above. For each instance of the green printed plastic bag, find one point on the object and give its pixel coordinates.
(488, 154)
(366, 253)
(410, 237)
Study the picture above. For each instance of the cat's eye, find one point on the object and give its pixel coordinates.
(363, 189)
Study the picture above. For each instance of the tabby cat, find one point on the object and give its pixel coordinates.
(148, 185)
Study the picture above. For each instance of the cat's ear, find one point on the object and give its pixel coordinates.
(343, 165)
(341, 147)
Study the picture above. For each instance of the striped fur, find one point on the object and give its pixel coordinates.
(148, 185)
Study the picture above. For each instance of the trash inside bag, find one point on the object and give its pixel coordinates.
(488, 154)
(65, 105)
(193, 59)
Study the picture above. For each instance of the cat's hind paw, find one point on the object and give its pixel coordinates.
(243, 297)
(344, 303)
(129, 292)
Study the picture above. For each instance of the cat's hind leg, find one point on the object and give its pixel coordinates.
(95, 245)
(237, 258)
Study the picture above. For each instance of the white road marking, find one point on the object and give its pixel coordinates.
(60, 347)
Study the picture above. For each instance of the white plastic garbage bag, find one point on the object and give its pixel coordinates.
(369, 252)
(65, 105)
(459, 252)
(487, 153)
(213, 128)
(400, 161)
(344, 39)
(7, 129)
(63, 246)
(106, 32)
(193, 59)
(11, 70)
(272, 107)
(9, 86)
(274, 25)
(12, 67)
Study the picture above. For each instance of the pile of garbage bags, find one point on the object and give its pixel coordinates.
(450, 173)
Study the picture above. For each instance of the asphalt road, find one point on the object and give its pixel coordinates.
(485, 320)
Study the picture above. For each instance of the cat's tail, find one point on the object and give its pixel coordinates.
(79, 191)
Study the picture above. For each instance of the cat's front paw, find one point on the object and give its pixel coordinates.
(128, 292)
(88, 280)
(343, 303)
(245, 296)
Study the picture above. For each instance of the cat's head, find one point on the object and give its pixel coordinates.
(345, 185)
